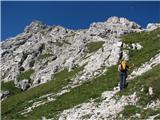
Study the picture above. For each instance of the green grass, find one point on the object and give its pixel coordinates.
(158, 117)
(148, 112)
(9, 86)
(91, 89)
(130, 110)
(150, 42)
(25, 75)
(43, 56)
(94, 46)
(148, 79)
(151, 46)
(61, 79)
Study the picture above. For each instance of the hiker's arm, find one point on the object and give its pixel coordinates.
(119, 68)
(131, 66)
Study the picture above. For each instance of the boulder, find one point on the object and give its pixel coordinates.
(133, 46)
(23, 84)
(136, 46)
(150, 89)
(125, 55)
(28, 62)
(4, 94)
(70, 63)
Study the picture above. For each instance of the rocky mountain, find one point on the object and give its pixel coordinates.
(45, 67)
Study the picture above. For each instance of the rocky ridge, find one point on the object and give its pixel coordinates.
(49, 49)
(35, 57)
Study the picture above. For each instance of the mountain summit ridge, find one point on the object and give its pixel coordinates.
(37, 35)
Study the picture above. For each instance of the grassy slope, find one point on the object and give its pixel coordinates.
(151, 46)
(9, 86)
(150, 41)
(94, 46)
(61, 79)
(25, 75)
(148, 79)
(93, 89)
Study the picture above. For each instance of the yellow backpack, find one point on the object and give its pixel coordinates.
(124, 65)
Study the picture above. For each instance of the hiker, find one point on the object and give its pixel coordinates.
(122, 69)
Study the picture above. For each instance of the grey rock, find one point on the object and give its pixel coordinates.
(23, 84)
(136, 46)
(35, 27)
(125, 55)
(4, 94)
(29, 62)
(152, 26)
(70, 63)
(63, 48)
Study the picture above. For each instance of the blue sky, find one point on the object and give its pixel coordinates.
(15, 15)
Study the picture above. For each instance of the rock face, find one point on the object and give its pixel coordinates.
(152, 26)
(114, 26)
(49, 49)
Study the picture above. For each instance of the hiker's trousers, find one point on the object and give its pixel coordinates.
(123, 76)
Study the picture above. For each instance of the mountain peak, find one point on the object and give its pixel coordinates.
(35, 26)
(116, 19)
(123, 21)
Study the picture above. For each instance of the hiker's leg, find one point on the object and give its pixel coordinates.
(125, 77)
(125, 83)
(121, 81)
